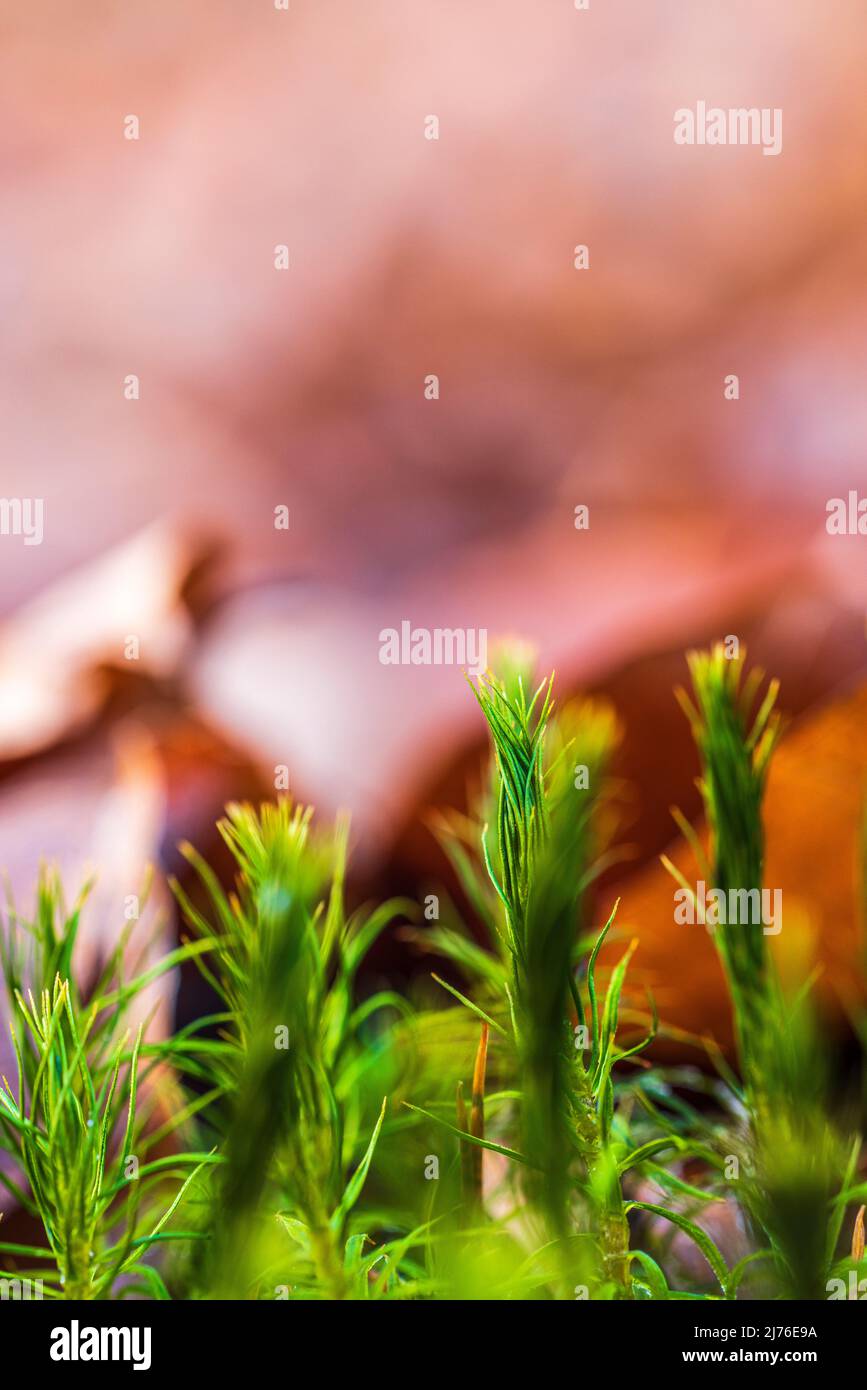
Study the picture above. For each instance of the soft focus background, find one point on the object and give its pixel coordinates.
(259, 388)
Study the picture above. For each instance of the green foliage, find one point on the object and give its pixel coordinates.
(794, 1154)
(735, 746)
(283, 960)
(73, 1121)
(506, 1133)
(540, 865)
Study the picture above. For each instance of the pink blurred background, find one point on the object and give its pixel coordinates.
(305, 388)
